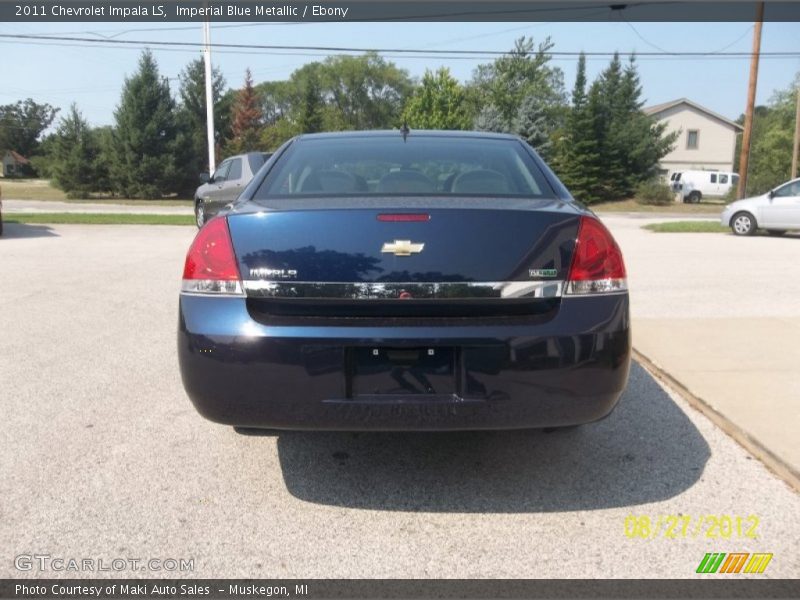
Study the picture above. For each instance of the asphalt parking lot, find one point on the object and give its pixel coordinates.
(104, 456)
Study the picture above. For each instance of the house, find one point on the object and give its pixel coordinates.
(13, 164)
(706, 140)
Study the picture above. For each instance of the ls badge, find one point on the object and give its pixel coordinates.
(543, 273)
(402, 248)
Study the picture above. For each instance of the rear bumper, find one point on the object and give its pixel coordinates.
(564, 370)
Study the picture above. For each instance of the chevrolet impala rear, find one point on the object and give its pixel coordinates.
(404, 281)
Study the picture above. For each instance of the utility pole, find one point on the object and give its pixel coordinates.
(209, 95)
(744, 157)
(796, 150)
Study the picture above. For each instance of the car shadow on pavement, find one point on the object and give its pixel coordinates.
(23, 230)
(646, 451)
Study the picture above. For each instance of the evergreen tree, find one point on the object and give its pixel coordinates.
(312, 109)
(533, 126)
(579, 160)
(75, 164)
(439, 103)
(147, 144)
(192, 113)
(491, 119)
(247, 119)
(523, 72)
(610, 146)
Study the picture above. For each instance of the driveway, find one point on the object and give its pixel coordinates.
(104, 456)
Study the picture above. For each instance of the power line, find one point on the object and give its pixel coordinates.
(399, 51)
(654, 57)
(660, 49)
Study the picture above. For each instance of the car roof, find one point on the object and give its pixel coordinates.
(440, 133)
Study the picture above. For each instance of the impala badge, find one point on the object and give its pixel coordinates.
(402, 248)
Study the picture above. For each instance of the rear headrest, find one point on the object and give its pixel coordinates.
(481, 181)
(405, 181)
(336, 182)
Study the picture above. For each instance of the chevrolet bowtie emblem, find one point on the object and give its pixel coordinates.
(402, 248)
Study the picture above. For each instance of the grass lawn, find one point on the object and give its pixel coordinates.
(630, 205)
(97, 219)
(687, 227)
(40, 189)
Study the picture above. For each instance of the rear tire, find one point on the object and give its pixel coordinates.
(199, 212)
(776, 232)
(743, 223)
(694, 198)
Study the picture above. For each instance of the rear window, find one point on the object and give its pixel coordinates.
(420, 165)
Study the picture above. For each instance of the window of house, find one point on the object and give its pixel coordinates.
(692, 139)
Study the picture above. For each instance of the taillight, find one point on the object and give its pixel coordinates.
(597, 265)
(210, 263)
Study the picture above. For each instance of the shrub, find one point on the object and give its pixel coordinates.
(654, 192)
(731, 195)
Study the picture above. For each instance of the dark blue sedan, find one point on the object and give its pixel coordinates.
(416, 280)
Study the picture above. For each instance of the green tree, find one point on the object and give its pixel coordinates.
(22, 125)
(771, 145)
(192, 112)
(524, 72)
(75, 157)
(609, 145)
(634, 141)
(490, 119)
(148, 150)
(367, 92)
(578, 160)
(277, 133)
(312, 108)
(247, 118)
(533, 126)
(277, 99)
(439, 103)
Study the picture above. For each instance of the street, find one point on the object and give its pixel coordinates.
(104, 455)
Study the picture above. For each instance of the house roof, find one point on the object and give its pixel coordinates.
(659, 108)
(18, 158)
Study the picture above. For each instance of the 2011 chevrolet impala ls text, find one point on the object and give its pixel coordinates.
(404, 280)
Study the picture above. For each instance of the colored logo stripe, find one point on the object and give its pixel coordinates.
(713, 562)
(758, 562)
(734, 562)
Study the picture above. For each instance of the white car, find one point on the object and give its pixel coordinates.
(776, 211)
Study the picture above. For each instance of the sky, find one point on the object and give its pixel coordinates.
(92, 76)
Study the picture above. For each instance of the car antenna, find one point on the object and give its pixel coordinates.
(404, 130)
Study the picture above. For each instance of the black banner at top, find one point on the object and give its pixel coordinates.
(32, 11)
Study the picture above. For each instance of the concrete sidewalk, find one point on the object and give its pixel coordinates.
(748, 371)
(54, 206)
(719, 316)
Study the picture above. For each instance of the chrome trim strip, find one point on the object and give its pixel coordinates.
(509, 290)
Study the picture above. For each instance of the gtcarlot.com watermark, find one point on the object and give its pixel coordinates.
(50, 563)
